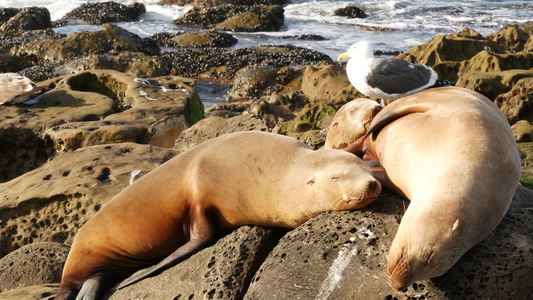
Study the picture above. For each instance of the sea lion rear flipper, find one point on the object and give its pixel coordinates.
(202, 232)
(393, 112)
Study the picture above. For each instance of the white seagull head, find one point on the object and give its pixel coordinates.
(359, 50)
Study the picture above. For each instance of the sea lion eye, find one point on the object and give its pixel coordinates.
(334, 178)
(311, 182)
(335, 124)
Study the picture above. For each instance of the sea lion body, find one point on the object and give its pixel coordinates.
(252, 178)
(351, 122)
(452, 153)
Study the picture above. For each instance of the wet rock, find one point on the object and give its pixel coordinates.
(50, 203)
(213, 127)
(38, 73)
(309, 37)
(492, 84)
(253, 83)
(222, 65)
(510, 38)
(517, 104)
(202, 39)
(210, 3)
(7, 13)
(350, 12)
(133, 63)
(258, 18)
(110, 39)
(235, 18)
(104, 12)
(222, 271)
(29, 18)
(33, 264)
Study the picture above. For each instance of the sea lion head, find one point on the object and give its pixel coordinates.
(425, 251)
(351, 122)
(339, 180)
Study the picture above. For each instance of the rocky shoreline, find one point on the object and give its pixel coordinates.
(116, 103)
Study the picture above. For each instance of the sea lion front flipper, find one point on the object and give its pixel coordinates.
(202, 231)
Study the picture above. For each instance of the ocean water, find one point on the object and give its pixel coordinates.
(415, 22)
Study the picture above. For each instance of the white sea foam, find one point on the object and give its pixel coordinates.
(416, 21)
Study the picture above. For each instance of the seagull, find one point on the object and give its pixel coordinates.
(386, 78)
(13, 85)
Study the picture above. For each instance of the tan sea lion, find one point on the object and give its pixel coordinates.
(351, 122)
(244, 178)
(452, 153)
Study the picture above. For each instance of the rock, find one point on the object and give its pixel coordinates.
(523, 131)
(92, 108)
(323, 83)
(511, 38)
(222, 271)
(312, 119)
(38, 73)
(351, 12)
(133, 63)
(29, 18)
(517, 104)
(346, 254)
(458, 47)
(50, 203)
(258, 18)
(7, 13)
(235, 18)
(309, 37)
(202, 39)
(110, 39)
(104, 12)
(32, 264)
(254, 83)
(492, 84)
(221, 65)
(528, 47)
(489, 62)
(42, 292)
(211, 3)
(213, 127)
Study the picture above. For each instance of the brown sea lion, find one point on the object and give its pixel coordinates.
(244, 178)
(351, 122)
(453, 154)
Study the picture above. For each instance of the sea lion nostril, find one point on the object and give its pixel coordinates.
(373, 184)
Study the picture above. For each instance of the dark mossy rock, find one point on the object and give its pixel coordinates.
(104, 12)
(210, 3)
(323, 83)
(110, 39)
(202, 39)
(222, 64)
(29, 18)
(253, 83)
(7, 13)
(309, 37)
(235, 18)
(517, 104)
(311, 119)
(511, 38)
(38, 73)
(350, 12)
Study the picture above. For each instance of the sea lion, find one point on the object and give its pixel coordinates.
(244, 178)
(351, 122)
(452, 153)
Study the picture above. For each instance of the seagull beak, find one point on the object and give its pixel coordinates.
(343, 56)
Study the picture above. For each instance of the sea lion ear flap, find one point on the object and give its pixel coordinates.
(393, 112)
